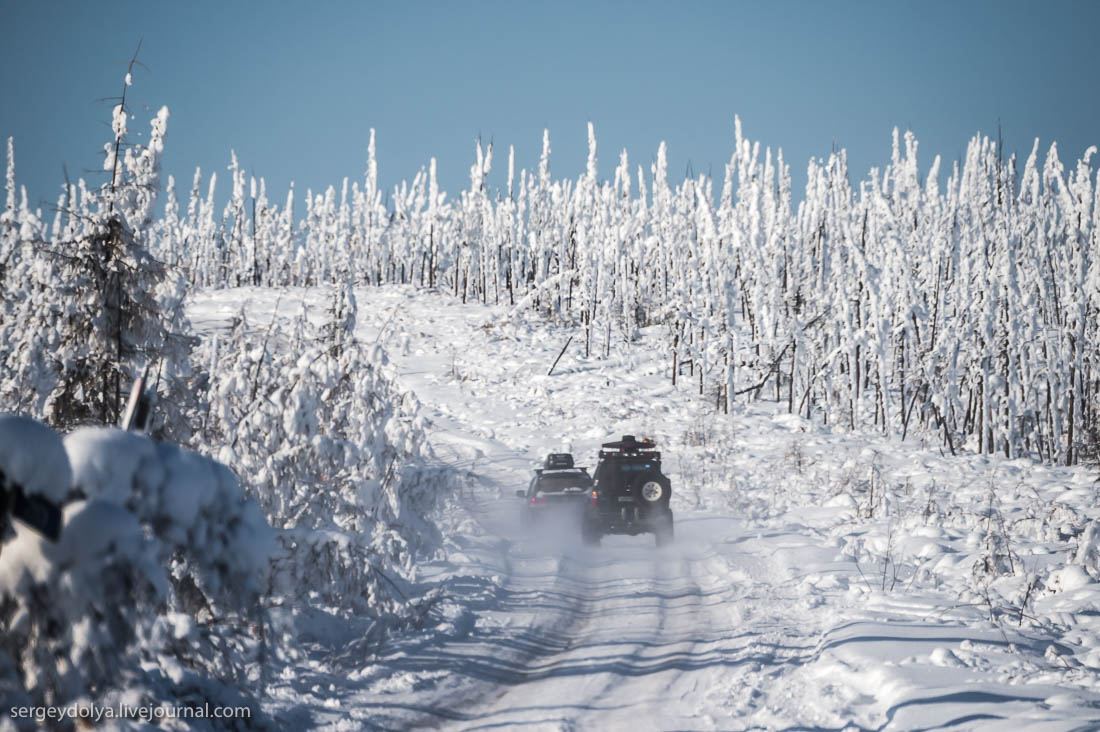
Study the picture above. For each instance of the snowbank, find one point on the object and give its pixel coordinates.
(31, 454)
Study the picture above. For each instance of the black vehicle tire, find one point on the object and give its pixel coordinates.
(663, 532)
(590, 534)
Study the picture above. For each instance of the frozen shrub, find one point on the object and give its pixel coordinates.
(82, 614)
(333, 450)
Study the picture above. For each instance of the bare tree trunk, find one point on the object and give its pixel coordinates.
(431, 255)
(790, 387)
(1072, 400)
(675, 364)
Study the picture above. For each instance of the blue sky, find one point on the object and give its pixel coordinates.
(295, 87)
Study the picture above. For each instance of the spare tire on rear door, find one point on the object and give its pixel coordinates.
(653, 488)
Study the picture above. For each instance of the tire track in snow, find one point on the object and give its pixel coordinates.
(606, 676)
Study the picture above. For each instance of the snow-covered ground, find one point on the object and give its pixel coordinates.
(819, 579)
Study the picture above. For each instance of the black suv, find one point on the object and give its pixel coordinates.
(557, 488)
(630, 494)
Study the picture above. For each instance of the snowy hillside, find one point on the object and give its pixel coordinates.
(819, 578)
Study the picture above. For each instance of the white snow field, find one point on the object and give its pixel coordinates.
(819, 579)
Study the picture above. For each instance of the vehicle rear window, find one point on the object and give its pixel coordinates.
(562, 482)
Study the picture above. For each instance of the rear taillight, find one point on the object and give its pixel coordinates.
(595, 495)
(538, 500)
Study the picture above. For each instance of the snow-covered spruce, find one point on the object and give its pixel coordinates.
(106, 607)
(84, 309)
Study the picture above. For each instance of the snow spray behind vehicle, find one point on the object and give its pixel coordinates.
(554, 499)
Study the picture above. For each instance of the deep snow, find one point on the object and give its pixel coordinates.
(819, 578)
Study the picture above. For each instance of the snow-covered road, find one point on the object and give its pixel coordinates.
(608, 640)
(569, 636)
(816, 581)
(566, 636)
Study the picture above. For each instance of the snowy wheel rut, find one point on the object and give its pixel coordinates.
(598, 638)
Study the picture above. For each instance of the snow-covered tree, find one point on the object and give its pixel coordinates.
(86, 615)
(93, 306)
(332, 447)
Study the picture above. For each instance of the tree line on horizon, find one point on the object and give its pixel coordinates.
(962, 309)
